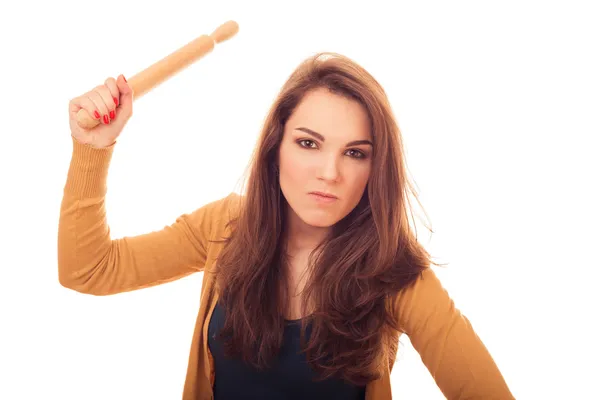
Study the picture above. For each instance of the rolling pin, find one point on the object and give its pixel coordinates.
(144, 81)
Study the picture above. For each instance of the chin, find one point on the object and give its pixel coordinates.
(319, 219)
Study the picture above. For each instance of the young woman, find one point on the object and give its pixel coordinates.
(310, 275)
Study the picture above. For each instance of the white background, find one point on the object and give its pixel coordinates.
(498, 103)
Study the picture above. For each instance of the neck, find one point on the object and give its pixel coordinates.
(301, 237)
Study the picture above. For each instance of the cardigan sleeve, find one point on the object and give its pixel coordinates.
(449, 347)
(91, 262)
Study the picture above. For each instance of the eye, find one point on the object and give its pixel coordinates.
(357, 153)
(310, 143)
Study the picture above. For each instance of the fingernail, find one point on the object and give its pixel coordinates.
(112, 114)
(105, 119)
(116, 101)
(97, 114)
(124, 78)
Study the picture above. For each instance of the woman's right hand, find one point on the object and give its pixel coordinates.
(111, 104)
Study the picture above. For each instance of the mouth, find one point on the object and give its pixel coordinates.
(324, 195)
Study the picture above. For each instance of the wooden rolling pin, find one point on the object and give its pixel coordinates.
(144, 81)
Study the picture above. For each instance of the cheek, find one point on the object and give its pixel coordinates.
(359, 178)
(295, 169)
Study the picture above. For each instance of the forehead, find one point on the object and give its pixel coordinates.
(336, 117)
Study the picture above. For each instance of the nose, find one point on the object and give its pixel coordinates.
(329, 169)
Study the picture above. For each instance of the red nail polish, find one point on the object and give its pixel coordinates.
(97, 114)
(116, 101)
(106, 119)
(112, 114)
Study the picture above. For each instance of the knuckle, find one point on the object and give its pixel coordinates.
(107, 96)
(89, 106)
(97, 100)
(103, 95)
(111, 84)
(101, 89)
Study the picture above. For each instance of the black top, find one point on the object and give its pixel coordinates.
(288, 378)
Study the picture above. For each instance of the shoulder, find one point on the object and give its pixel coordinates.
(227, 207)
(218, 213)
(231, 206)
(424, 300)
(212, 218)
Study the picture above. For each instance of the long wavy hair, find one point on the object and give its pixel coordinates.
(353, 275)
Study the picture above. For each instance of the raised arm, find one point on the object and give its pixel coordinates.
(453, 353)
(90, 261)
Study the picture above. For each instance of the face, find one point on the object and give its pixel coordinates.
(327, 148)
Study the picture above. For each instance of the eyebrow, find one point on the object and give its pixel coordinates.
(322, 138)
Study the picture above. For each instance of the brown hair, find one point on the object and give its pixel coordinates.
(354, 274)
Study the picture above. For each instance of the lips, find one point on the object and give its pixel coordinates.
(326, 195)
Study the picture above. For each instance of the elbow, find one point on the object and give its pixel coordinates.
(68, 279)
(77, 276)
(65, 276)
(80, 287)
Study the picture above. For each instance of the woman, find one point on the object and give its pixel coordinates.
(311, 275)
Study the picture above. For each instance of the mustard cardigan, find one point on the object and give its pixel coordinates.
(90, 262)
